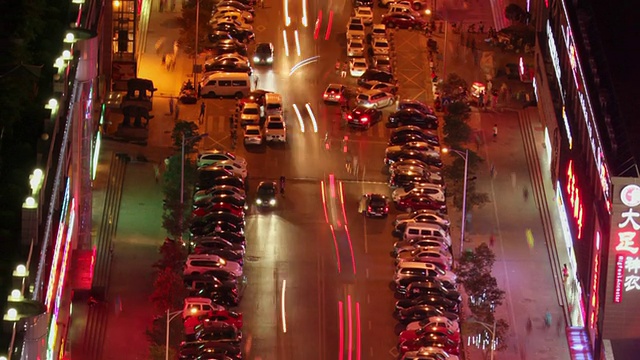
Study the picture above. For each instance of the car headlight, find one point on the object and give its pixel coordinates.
(272, 202)
(256, 59)
(270, 59)
(258, 201)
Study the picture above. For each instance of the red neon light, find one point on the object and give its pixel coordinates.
(341, 321)
(350, 353)
(574, 199)
(619, 278)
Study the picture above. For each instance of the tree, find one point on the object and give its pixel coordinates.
(455, 180)
(515, 13)
(157, 352)
(169, 290)
(184, 129)
(456, 129)
(172, 256)
(473, 263)
(188, 25)
(157, 335)
(453, 85)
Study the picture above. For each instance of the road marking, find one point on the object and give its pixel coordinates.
(287, 19)
(295, 34)
(282, 306)
(313, 117)
(367, 272)
(286, 42)
(305, 22)
(300, 121)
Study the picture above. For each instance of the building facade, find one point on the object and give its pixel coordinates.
(590, 165)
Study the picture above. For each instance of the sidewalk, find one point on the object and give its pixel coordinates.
(525, 273)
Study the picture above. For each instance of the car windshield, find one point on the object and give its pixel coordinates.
(275, 125)
(359, 64)
(356, 27)
(333, 90)
(381, 44)
(377, 202)
(253, 132)
(368, 86)
(357, 44)
(383, 62)
(266, 191)
(363, 97)
(251, 111)
(263, 48)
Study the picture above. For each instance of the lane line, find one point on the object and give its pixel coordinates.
(304, 13)
(335, 245)
(286, 42)
(316, 31)
(344, 213)
(287, 19)
(313, 117)
(353, 257)
(282, 306)
(300, 121)
(295, 34)
(324, 201)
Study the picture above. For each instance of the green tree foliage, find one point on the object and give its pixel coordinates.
(456, 128)
(169, 290)
(157, 352)
(453, 85)
(186, 129)
(454, 173)
(176, 217)
(172, 256)
(188, 25)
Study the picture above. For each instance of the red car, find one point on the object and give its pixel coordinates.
(432, 341)
(256, 96)
(418, 202)
(436, 330)
(225, 316)
(219, 206)
(403, 21)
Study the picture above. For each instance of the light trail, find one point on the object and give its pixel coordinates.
(287, 19)
(295, 108)
(344, 213)
(353, 256)
(316, 31)
(332, 185)
(297, 42)
(313, 119)
(350, 319)
(302, 63)
(327, 34)
(358, 333)
(341, 321)
(286, 42)
(335, 244)
(282, 306)
(305, 22)
(324, 201)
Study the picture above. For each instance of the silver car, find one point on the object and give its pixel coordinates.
(253, 135)
(376, 99)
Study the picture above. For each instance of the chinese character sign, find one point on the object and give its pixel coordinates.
(627, 244)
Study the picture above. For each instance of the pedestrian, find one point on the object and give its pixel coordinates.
(525, 193)
(481, 100)
(345, 67)
(159, 45)
(170, 105)
(173, 5)
(495, 132)
(547, 319)
(492, 170)
(529, 325)
(494, 100)
(262, 4)
(282, 183)
(175, 48)
(156, 171)
(202, 110)
(481, 27)
(255, 82)
(504, 91)
(431, 65)
(565, 273)
(489, 85)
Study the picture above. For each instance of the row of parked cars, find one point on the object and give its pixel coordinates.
(428, 303)
(213, 272)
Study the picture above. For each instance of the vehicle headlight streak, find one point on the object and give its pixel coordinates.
(286, 42)
(287, 19)
(295, 108)
(303, 63)
(282, 306)
(313, 119)
(297, 42)
(304, 13)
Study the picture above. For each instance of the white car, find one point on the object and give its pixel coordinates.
(253, 135)
(365, 13)
(202, 263)
(196, 306)
(428, 352)
(250, 114)
(428, 255)
(233, 191)
(403, 9)
(248, 18)
(378, 85)
(275, 129)
(380, 46)
(379, 30)
(211, 157)
(410, 245)
(234, 57)
(419, 146)
(431, 190)
(355, 47)
(376, 99)
(421, 215)
(235, 167)
(382, 63)
(355, 30)
(357, 66)
(439, 321)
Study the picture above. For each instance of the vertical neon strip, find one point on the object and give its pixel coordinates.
(51, 285)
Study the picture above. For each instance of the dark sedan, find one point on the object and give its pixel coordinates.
(236, 4)
(415, 105)
(406, 137)
(433, 340)
(266, 194)
(439, 302)
(202, 228)
(421, 288)
(229, 46)
(228, 66)
(220, 198)
(427, 158)
(403, 21)
(421, 312)
(207, 243)
(413, 117)
(243, 36)
(263, 54)
(376, 205)
(194, 349)
(219, 331)
(377, 75)
(364, 117)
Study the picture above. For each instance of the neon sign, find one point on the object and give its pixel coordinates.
(573, 56)
(555, 58)
(575, 199)
(567, 128)
(595, 282)
(626, 245)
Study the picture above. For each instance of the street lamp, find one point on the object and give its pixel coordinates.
(491, 329)
(184, 140)
(465, 156)
(170, 316)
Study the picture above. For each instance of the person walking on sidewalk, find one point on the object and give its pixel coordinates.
(156, 172)
(255, 82)
(495, 132)
(170, 105)
(202, 110)
(481, 100)
(345, 68)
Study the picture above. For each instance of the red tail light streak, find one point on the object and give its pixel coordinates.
(328, 33)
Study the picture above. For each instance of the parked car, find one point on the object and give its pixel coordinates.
(417, 105)
(372, 74)
(432, 190)
(418, 202)
(439, 321)
(429, 340)
(357, 66)
(378, 85)
(227, 66)
(403, 21)
(275, 129)
(417, 289)
(421, 312)
(437, 301)
(382, 63)
(253, 135)
(432, 158)
(219, 331)
(210, 157)
(355, 28)
(365, 13)
(413, 117)
(355, 47)
(201, 263)
(380, 46)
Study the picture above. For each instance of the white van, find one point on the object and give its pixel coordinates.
(419, 229)
(273, 104)
(221, 84)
